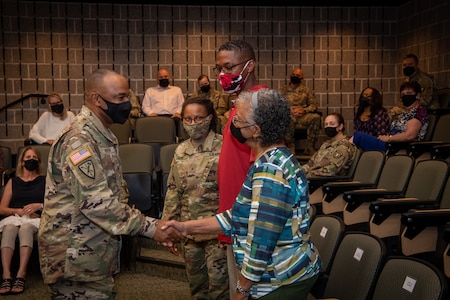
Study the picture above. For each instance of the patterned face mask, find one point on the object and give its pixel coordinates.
(232, 83)
(197, 130)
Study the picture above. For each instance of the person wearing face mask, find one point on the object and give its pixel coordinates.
(163, 99)
(193, 193)
(303, 111)
(411, 125)
(270, 219)
(235, 69)
(207, 91)
(51, 122)
(21, 205)
(412, 73)
(84, 214)
(371, 117)
(336, 154)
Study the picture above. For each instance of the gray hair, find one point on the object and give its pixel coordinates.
(270, 110)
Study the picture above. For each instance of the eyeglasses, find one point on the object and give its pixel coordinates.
(198, 119)
(56, 103)
(218, 69)
(236, 121)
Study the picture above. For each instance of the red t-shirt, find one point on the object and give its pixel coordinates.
(234, 161)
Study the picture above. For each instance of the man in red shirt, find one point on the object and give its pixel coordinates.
(235, 68)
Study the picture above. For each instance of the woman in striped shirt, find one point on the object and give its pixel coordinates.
(269, 222)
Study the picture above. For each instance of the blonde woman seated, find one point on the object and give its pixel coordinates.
(51, 122)
(21, 203)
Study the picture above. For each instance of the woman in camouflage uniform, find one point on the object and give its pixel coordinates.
(192, 193)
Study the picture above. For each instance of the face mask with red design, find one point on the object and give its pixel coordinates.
(232, 83)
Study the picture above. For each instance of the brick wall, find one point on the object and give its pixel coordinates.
(52, 46)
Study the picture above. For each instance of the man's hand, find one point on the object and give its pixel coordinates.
(179, 227)
(167, 236)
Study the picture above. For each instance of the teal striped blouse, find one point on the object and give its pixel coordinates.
(269, 224)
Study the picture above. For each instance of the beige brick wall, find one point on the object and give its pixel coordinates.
(52, 46)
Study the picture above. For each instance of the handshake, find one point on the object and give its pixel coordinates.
(169, 232)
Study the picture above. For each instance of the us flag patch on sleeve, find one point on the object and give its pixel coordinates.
(80, 155)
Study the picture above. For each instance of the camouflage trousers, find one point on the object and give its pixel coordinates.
(206, 269)
(74, 290)
(312, 123)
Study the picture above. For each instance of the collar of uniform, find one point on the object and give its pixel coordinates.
(89, 114)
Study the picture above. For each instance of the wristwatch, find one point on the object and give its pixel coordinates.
(241, 290)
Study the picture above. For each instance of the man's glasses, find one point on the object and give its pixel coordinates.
(198, 119)
(228, 70)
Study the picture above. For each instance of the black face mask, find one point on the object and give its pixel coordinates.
(236, 132)
(118, 112)
(31, 164)
(331, 131)
(164, 82)
(364, 101)
(295, 80)
(58, 108)
(408, 100)
(205, 88)
(409, 70)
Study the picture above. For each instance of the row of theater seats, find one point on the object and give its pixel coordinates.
(145, 129)
(356, 265)
(401, 199)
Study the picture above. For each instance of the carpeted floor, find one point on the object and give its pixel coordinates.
(129, 285)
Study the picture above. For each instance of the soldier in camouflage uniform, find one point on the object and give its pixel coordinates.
(304, 111)
(335, 155)
(83, 216)
(206, 91)
(192, 193)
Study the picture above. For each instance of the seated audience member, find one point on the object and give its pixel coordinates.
(163, 99)
(303, 111)
(21, 204)
(207, 91)
(51, 122)
(371, 117)
(411, 125)
(335, 155)
(412, 72)
(135, 112)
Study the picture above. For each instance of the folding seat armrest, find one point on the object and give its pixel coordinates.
(383, 208)
(394, 147)
(416, 149)
(440, 151)
(315, 182)
(6, 175)
(355, 198)
(332, 189)
(416, 220)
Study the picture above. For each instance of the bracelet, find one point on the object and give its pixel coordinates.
(241, 290)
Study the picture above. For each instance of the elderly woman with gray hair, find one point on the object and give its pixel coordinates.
(269, 222)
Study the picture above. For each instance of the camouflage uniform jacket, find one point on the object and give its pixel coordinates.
(301, 97)
(220, 105)
(427, 85)
(192, 190)
(83, 217)
(333, 158)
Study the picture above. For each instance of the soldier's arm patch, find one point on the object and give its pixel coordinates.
(87, 168)
(337, 154)
(79, 155)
